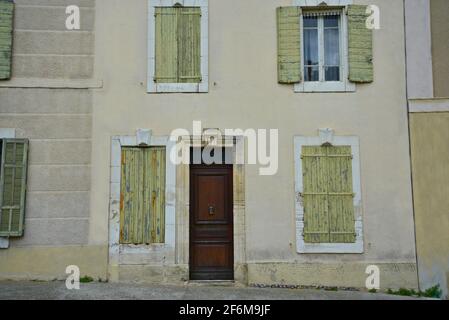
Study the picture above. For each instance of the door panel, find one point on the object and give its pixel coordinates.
(211, 223)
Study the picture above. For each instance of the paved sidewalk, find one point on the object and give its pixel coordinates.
(56, 290)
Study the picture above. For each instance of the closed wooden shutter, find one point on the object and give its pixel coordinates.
(328, 194)
(360, 50)
(154, 191)
(178, 45)
(341, 195)
(166, 45)
(315, 175)
(189, 45)
(6, 27)
(289, 44)
(142, 210)
(13, 187)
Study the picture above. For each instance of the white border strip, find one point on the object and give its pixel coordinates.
(314, 3)
(429, 105)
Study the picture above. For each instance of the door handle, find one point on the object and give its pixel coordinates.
(211, 210)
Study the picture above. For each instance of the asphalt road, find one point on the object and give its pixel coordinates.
(56, 290)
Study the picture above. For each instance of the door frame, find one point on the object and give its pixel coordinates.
(237, 143)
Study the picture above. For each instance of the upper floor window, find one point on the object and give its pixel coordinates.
(178, 46)
(322, 49)
(322, 58)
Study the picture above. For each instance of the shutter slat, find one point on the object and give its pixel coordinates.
(316, 219)
(341, 207)
(289, 44)
(360, 49)
(156, 193)
(6, 37)
(166, 45)
(189, 45)
(13, 187)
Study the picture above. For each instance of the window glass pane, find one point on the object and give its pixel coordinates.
(311, 74)
(311, 47)
(332, 73)
(331, 21)
(310, 22)
(332, 53)
(331, 47)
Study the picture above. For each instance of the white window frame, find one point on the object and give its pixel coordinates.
(201, 87)
(328, 86)
(155, 252)
(327, 136)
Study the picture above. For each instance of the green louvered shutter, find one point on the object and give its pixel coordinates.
(289, 44)
(360, 45)
(13, 187)
(341, 195)
(154, 190)
(189, 45)
(6, 27)
(166, 45)
(142, 209)
(328, 194)
(316, 215)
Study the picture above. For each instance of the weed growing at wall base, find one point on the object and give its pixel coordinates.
(433, 292)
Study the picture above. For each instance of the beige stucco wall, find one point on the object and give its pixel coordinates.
(244, 93)
(430, 154)
(439, 10)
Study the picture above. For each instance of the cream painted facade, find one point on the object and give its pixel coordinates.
(428, 93)
(243, 93)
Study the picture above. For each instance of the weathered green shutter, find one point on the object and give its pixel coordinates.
(6, 26)
(289, 44)
(189, 45)
(328, 194)
(178, 45)
(315, 196)
(341, 195)
(13, 187)
(154, 190)
(166, 45)
(142, 210)
(360, 45)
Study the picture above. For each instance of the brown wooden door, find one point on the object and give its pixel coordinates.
(211, 225)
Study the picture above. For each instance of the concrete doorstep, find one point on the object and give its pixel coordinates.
(56, 290)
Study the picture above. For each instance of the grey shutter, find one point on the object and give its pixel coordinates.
(13, 187)
(6, 25)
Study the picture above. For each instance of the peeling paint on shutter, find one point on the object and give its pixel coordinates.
(178, 45)
(142, 214)
(13, 187)
(341, 195)
(166, 45)
(360, 49)
(328, 194)
(289, 44)
(156, 163)
(316, 215)
(189, 45)
(6, 35)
